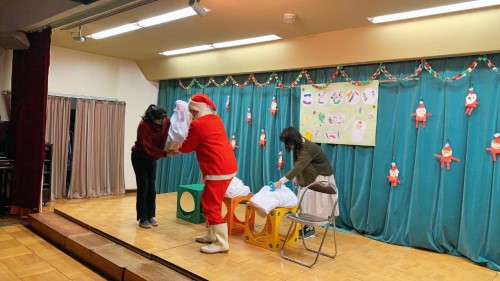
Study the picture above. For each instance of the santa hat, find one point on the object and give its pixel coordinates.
(199, 102)
(447, 147)
(497, 135)
(393, 166)
(421, 104)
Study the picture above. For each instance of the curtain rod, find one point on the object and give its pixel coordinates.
(83, 97)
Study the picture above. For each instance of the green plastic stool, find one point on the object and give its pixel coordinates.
(194, 216)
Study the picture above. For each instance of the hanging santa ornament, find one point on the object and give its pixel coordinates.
(420, 114)
(274, 107)
(262, 139)
(393, 175)
(227, 103)
(470, 101)
(233, 143)
(281, 163)
(495, 147)
(249, 116)
(446, 156)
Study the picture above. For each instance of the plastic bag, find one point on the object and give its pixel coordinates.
(179, 125)
(237, 188)
(265, 200)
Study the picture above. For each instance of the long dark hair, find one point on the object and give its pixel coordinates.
(154, 113)
(291, 138)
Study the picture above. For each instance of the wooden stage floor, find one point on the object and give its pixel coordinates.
(359, 258)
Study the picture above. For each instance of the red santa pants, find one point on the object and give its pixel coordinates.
(211, 200)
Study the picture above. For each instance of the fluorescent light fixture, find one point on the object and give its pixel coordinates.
(175, 15)
(222, 45)
(246, 41)
(187, 50)
(435, 11)
(114, 31)
(167, 17)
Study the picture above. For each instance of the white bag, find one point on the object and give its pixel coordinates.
(265, 200)
(237, 188)
(179, 125)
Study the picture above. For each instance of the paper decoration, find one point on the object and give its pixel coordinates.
(421, 115)
(446, 156)
(274, 107)
(227, 103)
(393, 175)
(262, 139)
(339, 113)
(470, 101)
(281, 163)
(495, 147)
(423, 65)
(249, 116)
(233, 143)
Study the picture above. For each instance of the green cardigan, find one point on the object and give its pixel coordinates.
(309, 162)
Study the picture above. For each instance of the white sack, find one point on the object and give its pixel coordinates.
(179, 125)
(265, 200)
(237, 188)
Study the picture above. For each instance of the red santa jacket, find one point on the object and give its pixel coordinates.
(215, 154)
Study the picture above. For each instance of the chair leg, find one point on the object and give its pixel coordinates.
(318, 252)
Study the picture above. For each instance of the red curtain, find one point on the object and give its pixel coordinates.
(30, 70)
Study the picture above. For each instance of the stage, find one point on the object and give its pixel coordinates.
(358, 258)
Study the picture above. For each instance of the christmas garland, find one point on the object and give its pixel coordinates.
(340, 69)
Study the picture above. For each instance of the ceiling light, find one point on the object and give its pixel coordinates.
(115, 31)
(222, 45)
(187, 50)
(78, 38)
(246, 41)
(435, 11)
(175, 15)
(167, 17)
(197, 7)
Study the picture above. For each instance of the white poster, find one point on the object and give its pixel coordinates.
(341, 113)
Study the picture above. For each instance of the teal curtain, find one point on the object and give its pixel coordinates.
(454, 211)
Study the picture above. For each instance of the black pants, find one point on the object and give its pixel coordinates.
(145, 177)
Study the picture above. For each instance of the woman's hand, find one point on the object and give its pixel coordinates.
(173, 152)
(277, 184)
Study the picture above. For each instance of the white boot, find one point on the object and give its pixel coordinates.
(220, 245)
(208, 237)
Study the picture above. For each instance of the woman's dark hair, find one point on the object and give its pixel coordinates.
(291, 138)
(154, 113)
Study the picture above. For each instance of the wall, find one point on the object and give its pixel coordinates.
(77, 73)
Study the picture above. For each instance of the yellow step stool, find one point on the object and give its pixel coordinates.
(234, 225)
(269, 238)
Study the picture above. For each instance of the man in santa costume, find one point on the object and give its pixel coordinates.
(208, 138)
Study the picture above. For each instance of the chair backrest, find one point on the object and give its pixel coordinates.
(323, 187)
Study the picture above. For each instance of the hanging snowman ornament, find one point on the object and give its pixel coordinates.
(227, 103)
(274, 107)
(393, 175)
(249, 116)
(262, 139)
(233, 143)
(281, 163)
(420, 115)
(446, 156)
(470, 101)
(495, 147)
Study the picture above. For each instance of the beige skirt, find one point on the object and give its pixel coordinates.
(319, 204)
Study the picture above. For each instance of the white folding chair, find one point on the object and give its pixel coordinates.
(302, 219)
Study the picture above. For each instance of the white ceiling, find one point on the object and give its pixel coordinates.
(228, 20)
